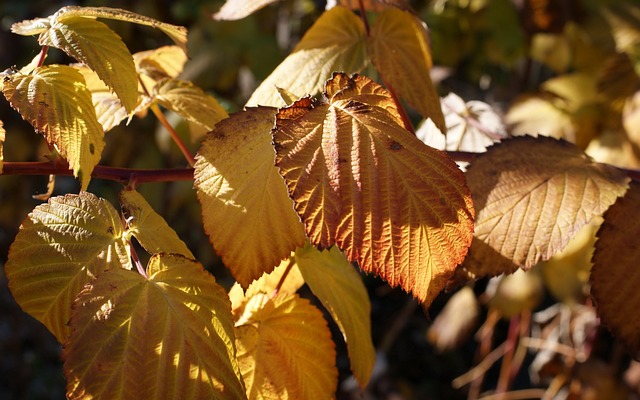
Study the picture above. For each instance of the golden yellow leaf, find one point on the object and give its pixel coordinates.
(336, 42)
(237, 9)
(268, 283)
(55, 100)
(243, 196)
(270, 333)
(61, 245)
(96, 45)
(400, 51)
(158, 64)
(151, 230)
(169, 336)
(399, 208)
(109, 109)
(532, 195)
(339, 287)
(190, 102)
(177, 33)
(615, 275)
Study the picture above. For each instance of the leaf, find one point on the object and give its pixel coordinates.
(151, 230)
(268, 283)
(158, 64)
(539, 116)
(334, 43)
(399, 50)
(109, 109)
(471, 126)
(233, 10)
(61, 245)
(31, 27)
(55, 100)
(168, 336)
(96, 45)
(359, 180)
(243, 196)
(177, 33)
(271, 334)
(190, 102)
(615, 275)
(339, 287)
(532, 195)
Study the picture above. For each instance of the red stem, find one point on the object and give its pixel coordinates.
(43, 55)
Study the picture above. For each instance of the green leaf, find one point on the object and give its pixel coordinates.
(151, 230)
(359, 180)
(96, 45)
(168, 336)
(55, 100)
(270, 333)
(61, 245)
(338, 285)
(243, 196)
(334, 43)
(400, 51)
(190, 102)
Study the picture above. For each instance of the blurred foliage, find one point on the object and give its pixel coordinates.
(562, 68)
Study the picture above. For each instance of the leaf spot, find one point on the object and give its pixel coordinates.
(92, 148)
(395, 145)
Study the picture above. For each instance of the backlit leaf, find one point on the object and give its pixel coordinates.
(190, 102)
(109, 109)
(177, 33)
(55, 100)
(237, 9)
(334, 43)
(615, 276)
(269, 334)
(399, 208)
(338, 285)
(246, 211)
(532, 195)
(158, 64)
(96, 45)
(148, 227)
(61, 245)
(399, 50)
(31, 27)
(268, 283)
(168, 336)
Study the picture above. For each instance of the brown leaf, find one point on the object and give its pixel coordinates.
(615, 276)
(533, 195)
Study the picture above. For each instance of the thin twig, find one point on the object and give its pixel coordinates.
(517, 395)
(363, 15)
(43, 55)
(174, 135)
(479, 370)
(122, 175)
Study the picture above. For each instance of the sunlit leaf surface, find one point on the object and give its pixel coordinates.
(190, 102)
(336, 42)
(246, 211)
(148, 227)
(615, 276)
(399, 208)
(399, 49)
(61, 245)
(96, 45)
(270, 333)
(55, 100)
(532, 195)
(2, 137)
(238, 9)
(169, 336)
(340, 289)
(109, 109)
